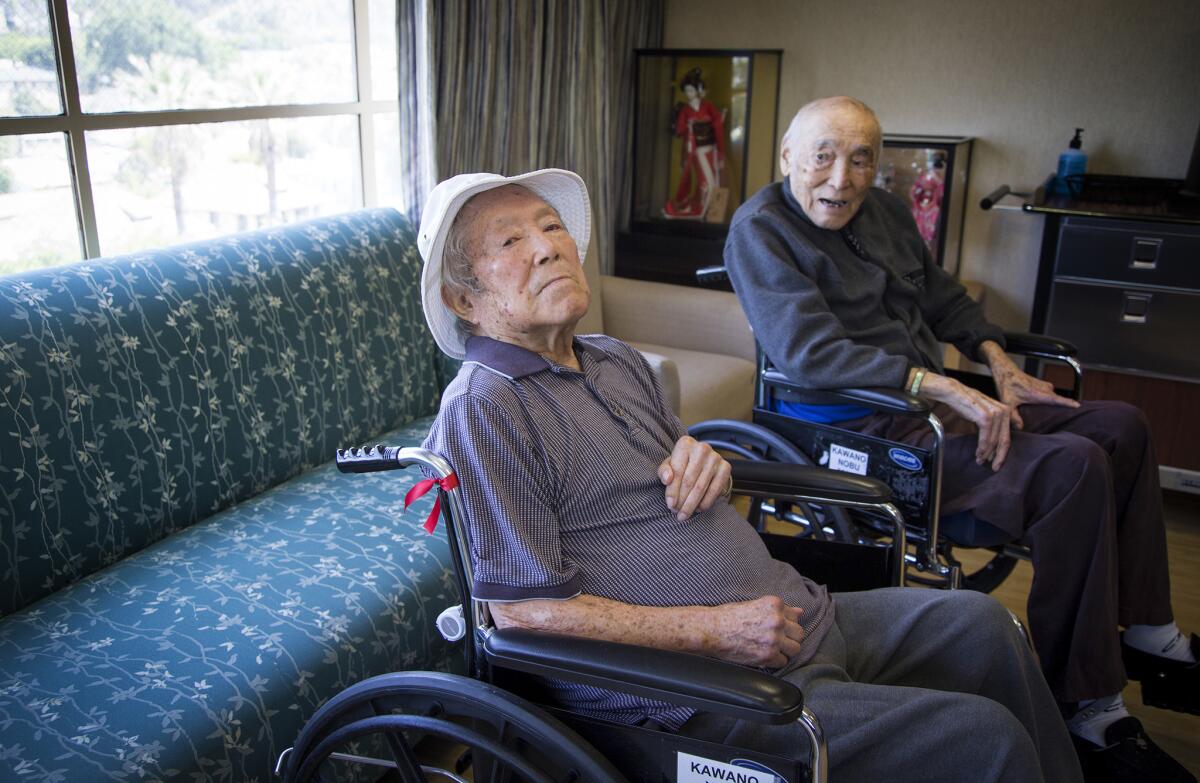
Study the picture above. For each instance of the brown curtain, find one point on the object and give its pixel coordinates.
(530, 84)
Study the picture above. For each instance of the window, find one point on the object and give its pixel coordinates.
(130, 124)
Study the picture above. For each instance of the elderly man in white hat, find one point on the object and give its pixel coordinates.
(591, 512)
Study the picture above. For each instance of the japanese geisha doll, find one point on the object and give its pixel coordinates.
(701, 127)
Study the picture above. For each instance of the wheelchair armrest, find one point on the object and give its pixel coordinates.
(772, 478)
(695, 681)
(1025, 343)
(877, 398)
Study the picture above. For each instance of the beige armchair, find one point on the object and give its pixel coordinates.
(697, 340)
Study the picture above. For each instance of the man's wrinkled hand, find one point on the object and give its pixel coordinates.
(765, 632)
(1017, 388)
(695, 476)
(992, 417)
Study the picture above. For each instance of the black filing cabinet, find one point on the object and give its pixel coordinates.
(1127, 293)
(1119, 277)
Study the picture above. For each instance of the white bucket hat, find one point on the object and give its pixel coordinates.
(563, 190)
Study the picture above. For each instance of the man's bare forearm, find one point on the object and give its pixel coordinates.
(933, 384)
(760, 632)
(995, 357)
(941, 388)
(673, 628)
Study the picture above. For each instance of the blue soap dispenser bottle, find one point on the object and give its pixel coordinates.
(1073, 160)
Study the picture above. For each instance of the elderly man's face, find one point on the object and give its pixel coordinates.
(526, 263)
(831, 163)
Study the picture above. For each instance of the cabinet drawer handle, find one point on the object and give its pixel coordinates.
(1135, 308)
(1145, 252)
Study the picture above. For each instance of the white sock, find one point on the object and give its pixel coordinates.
(1165, 641)
(1095, 716)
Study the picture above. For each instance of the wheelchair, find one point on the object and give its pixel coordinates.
(913, 474)
(492, 720)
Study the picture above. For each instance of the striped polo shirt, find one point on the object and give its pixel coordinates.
(559, 477)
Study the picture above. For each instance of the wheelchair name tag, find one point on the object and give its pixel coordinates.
(847, 460)
(697, 769)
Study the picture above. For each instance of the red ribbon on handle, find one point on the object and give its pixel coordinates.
(421, 487)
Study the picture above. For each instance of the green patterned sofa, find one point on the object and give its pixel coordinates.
(186, 576)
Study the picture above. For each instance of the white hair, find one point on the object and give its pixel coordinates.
(800, 122)
(458, 267)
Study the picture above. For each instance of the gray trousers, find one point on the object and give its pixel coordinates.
(920, 685)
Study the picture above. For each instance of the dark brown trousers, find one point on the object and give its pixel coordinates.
(1080, 487)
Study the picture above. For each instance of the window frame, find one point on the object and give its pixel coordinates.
(74, 123)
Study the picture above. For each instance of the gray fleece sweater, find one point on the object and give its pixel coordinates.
(829, 315)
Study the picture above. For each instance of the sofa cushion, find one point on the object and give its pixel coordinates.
(696, 319)
(711, 385)
(141, 394)
(202, 655)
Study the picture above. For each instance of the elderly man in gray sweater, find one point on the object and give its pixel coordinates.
(841, 291)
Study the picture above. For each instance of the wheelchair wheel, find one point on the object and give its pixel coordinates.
(755, 442)
(507, 738)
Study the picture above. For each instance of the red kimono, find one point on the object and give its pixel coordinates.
(703, 132)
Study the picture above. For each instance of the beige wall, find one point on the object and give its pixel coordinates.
(1019, 76)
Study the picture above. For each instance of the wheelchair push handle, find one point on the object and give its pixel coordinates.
(363, 460)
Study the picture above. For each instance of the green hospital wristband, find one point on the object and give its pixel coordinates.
(916, 384)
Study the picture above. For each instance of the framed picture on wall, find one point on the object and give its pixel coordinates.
(929, 173)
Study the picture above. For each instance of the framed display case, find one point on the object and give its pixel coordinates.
(704, 141)
(930, 174)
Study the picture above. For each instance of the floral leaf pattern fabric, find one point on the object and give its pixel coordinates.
(186, 575)
(141, 394)
(200, 657)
